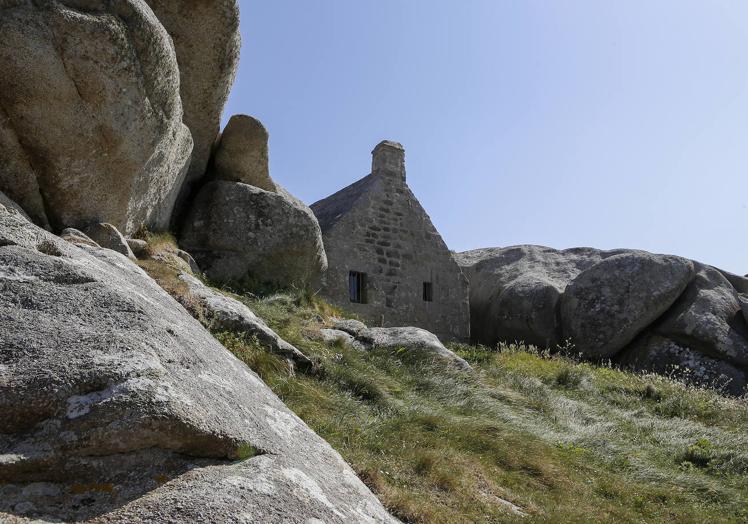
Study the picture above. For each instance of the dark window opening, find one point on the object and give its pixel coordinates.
(357, 287)
(428, 292)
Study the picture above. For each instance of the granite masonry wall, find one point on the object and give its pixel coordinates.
(387, 235)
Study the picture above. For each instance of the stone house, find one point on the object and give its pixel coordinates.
(387, 262)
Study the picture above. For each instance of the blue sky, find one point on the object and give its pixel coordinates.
(562, 123)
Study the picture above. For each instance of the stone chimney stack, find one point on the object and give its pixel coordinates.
(388, 158)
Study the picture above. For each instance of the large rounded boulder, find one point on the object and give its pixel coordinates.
(709, 317)
(242, 154)
(242, 226)
(238, 232)
(651, 312)
(609, 304)
(117, 406)
(514, 291)
(91, 118)
(207, 42)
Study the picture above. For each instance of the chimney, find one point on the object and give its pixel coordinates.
(388, 158)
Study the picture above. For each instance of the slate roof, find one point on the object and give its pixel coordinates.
(331, 209)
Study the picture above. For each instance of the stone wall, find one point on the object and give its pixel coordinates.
(389, 236)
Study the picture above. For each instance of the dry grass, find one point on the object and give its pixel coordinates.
(163, 266)
(563, 441)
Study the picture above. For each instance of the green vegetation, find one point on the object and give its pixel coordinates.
(529, 432)
(562, 441)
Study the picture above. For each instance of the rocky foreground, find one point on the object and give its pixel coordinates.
(118, 406)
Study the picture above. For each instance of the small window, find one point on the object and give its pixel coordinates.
(357, 287)
(428, 292)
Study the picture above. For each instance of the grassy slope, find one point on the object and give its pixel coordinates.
(563, 441)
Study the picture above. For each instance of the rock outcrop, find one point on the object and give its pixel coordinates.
(515, 291)
(207, 42)
(659, 354)
(414, 342)
(224, 313)
(106, 235)
(236, 231)
(91, 121)
(117, 405)
(138, 247)
(242, 154)
(708, 317)
(606, 306)
(648, 311)
(241, 232)
(77, 237)
(11, 205)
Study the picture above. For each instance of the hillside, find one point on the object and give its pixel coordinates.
(166, 354)
(527, 436)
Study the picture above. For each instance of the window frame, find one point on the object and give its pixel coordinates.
(357, 284)
(428, 292)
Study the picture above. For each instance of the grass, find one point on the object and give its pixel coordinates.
(528, 432)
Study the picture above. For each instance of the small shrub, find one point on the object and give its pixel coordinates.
(447, 477)
(651, 393)
(700, 453)
(570, 377)
(339, 343)
(473, 354)
(689, 403)
(424, 463)
(157, 242)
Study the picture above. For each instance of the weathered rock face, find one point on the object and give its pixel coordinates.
(236, 231)
(11, 205)
(115, 403)
(331, 336)
(605, 307)
(413, 340)
(242, 154)
(228, 314)
(79, 238)
(207, 41)
(709, 317)
(648, 311)
(665, 356)
(138, 247)
(514, 291)
(106, 235)
(90, 115)
(416, 342)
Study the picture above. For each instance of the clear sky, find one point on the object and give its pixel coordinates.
(557, 122)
